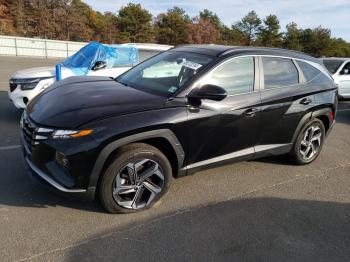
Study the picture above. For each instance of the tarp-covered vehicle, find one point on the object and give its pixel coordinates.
(94, 59)
(339, 68)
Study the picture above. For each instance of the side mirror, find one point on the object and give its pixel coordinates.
(211, 92)
(99, 65)
(344, 71)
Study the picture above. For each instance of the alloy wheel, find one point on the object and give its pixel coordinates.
(311, 143)
(138, 183)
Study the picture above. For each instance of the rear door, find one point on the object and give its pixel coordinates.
(285, 100)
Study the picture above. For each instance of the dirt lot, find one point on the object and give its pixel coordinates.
(265, 210)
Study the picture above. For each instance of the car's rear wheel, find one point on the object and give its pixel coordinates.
(137, 178)
(309, 143)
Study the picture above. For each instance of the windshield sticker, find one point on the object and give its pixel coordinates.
(191, 65)
(172, 89)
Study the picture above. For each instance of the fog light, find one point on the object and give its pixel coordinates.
(61, 159)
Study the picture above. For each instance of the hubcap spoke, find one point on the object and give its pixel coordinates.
(152, 187)
(317, 138)
(131, 170)
(140, 163)
(304, 143)
(149, 171)
(124, 190)
(137, 198)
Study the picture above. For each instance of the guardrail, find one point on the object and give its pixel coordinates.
(36, 47)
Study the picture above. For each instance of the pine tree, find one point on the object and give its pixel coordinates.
(172, 27)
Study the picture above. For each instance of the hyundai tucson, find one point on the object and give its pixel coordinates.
(193, 107)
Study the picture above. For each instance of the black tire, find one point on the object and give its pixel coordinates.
(295, 156)
(132, 153)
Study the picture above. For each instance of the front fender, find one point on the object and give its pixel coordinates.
(112, 146)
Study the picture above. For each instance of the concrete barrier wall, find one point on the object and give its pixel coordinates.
(35, 47)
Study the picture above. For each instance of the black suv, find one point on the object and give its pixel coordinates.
(183, 110)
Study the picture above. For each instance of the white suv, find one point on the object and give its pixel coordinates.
(340, 71)
(26, 84)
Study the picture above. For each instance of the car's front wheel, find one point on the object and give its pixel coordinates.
(309, 142)
(137, 178)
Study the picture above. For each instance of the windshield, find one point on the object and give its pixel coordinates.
(166, 73)
(332, 65)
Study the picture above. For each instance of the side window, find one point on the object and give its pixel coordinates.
(236, 76)
(346, 69)
(279, 72)
(309, 71)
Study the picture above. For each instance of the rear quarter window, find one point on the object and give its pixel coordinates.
(309, 71)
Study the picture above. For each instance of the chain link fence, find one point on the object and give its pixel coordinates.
(35, 47)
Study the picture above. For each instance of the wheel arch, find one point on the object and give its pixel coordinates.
(154, 138)
(321, 114)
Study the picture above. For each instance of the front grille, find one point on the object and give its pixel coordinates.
(13, 85)
(32, 133)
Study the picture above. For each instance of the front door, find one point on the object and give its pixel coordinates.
(222, 130)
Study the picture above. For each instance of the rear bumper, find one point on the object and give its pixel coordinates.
(330, 128)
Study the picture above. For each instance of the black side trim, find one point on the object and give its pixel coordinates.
(325, 112)
(307, 117)
(236, 156)
(160, 133)
(302, 122)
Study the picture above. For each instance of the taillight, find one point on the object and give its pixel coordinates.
(331, 116)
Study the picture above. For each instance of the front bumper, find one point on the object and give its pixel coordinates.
(49, 182)
(20, 98)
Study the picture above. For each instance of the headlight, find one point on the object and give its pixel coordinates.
(62, 134)
(31, 83)
(27, 84)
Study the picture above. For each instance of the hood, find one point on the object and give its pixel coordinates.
(33, 72)
(48, 71)
(78, 100)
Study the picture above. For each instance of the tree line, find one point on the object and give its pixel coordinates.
(76, 21)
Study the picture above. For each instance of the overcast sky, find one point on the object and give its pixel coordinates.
(333, 14)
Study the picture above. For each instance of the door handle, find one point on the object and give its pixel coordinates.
(306, 101)
(250, 112)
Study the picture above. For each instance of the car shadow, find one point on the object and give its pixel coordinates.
(276, 160)
(8, 112)
(257, 229)
(18, 189)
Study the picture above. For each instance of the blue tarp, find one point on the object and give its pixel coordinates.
(82, 61)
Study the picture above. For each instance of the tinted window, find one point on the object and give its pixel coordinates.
(165, 73)
(236, 76)
(346, 69)
(332, 65)
(309, 71)
(279, 72)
